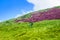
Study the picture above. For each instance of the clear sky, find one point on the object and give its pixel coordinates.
(13, 8)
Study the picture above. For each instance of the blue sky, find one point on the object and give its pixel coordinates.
(10, 8)
(13, 8)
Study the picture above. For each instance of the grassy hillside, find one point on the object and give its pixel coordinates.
(39, 30)
(43, 30)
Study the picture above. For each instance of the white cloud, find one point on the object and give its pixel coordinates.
(43, 4)
(54, 2)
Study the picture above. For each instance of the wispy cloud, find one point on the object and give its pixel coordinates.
(43, 4)
(23, 13)
(0, 21)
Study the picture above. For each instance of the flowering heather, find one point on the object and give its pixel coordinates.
(50, 14)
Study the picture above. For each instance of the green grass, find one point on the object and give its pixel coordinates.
(43, 30)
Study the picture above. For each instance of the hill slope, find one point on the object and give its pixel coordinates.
(40, 30)
(44, 30)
